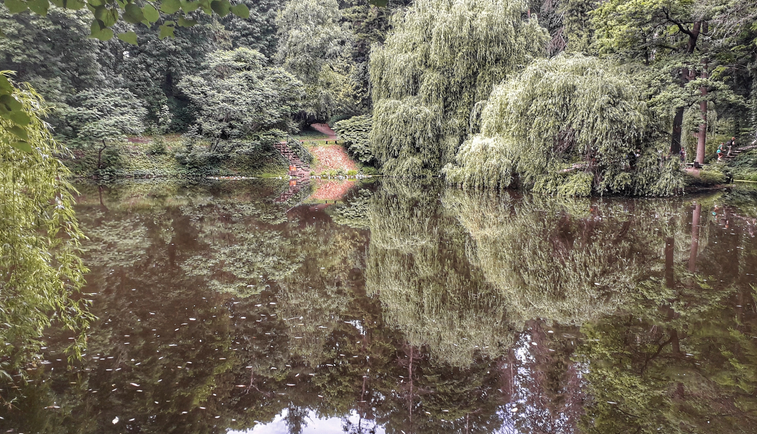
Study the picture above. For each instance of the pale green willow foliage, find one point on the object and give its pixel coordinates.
(563, 259)
(440, 60)
(417, 267)
(39, 241)
(569, 126)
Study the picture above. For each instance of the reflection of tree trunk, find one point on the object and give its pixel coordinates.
(669, 275)
(694, 238)
(99, 156)
(410, 374)
(100, 196)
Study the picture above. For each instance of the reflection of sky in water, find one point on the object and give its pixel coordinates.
(332, 425)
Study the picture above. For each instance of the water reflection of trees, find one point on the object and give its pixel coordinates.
(396, 332)
(682, 357)
(563, 260)
(419, 269)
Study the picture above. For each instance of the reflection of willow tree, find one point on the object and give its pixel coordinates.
(354, 211)
(564, 260)
(682, 359)
(418, 267)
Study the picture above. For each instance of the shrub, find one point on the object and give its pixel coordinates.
(356, 134)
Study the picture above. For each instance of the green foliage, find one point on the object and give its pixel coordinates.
(52, 53)
(571, 125)
(237, 96)
(440, 60)
(107, 13)
(302, 152)
(315, 47)
(356, 134)
(106, 115)
(39, 267)
(706, 177)
(579, 29)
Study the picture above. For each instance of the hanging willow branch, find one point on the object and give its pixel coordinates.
(568, 126)
(442, 57)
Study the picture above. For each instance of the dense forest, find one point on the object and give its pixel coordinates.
(570, 97)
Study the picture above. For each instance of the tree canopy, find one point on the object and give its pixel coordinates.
(442, 58)
(570, 125)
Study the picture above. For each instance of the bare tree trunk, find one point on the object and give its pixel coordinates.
(675, 143)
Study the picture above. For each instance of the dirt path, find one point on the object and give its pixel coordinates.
(331, 157)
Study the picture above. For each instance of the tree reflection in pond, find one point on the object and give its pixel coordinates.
(413, 309)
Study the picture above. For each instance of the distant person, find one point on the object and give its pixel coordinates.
(731, 144)
(682, 154)
(720, 151)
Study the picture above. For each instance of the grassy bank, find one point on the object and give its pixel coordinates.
(171, 156)
(744, 166)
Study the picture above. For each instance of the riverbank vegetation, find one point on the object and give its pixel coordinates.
(569, 97)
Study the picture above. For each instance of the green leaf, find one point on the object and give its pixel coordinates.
(170, 6)
(107, 17)
(59, 3)
(188, 7)
(19, 118)
(186, 23)
(133, 14)
(5, 85)
(15, 6)
(10, 102)
(241, 10)
(39, 7)
(379, 3)
(95, 3)
(74, 5)
(221, 7)
(128, 37)
(103, 35)
(19, 132)
(166, 31)
(22, 146)
(150, 13)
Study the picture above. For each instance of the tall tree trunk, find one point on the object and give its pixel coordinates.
(675, 143)
(702, 135)
(686, 76)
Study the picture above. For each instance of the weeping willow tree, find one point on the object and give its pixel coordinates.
(39, 265)
(568, 261)
(417, 267)
(441, 59)
(570, 126)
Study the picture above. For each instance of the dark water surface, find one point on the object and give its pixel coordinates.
(247, 306)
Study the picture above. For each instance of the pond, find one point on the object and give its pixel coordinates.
(256, 306)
